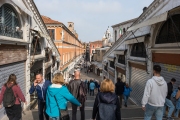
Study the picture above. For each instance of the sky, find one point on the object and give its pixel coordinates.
(91, 17)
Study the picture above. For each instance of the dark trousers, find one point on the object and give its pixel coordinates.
(74, 112)
(14, 112)
(41, 110)
(91, 92)
(120, 100)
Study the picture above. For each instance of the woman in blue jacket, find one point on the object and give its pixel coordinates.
(126, 94)
(57, 97)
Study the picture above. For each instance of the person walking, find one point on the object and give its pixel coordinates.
(154, 95)
(92, 87)
(88, 83)
(119, 90)
(168, 102)
(126, 94)
(106, 105)
(76, 87)
(57, 97)
(12, 96)
(177, 97)
(41, 85)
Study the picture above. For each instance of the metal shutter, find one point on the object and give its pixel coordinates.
(169, 72)
(137, 83)
(19, 70)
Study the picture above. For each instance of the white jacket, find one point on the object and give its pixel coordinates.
(155, 92)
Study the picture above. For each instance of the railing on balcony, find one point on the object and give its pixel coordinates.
(11, 32)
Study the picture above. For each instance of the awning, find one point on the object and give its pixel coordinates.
(111, 58)
(22, 7)
(153, 20)
(135, 40)
(119, 52)
(65, 69)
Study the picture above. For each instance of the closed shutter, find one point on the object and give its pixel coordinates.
(138, 82)
(19, 70)
(169, 72)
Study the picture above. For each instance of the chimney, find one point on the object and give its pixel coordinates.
(144, 9)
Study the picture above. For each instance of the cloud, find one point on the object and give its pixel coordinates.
(91, 17)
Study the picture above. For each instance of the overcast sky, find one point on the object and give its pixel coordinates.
(91, 17)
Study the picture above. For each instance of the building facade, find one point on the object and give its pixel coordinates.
(93, 46)
(67, 42)
(25, 46)
(150, 40)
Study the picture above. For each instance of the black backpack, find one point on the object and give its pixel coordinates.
(106, 111)
(9, 97)
(81, 96)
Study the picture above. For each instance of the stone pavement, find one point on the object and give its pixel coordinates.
(132, 112)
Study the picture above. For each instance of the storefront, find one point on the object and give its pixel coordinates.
(121, 73)
(138, 81)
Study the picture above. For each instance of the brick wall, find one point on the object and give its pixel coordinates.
(12, 53)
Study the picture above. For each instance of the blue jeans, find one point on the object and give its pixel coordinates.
(150, 110)
(169, 104)
(125, 99)
(55, 118)
(176, 114)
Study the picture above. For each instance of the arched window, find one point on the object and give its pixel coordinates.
(138, 50)
(35, 47)
(115, 35)
(9, 22)
(169, 32)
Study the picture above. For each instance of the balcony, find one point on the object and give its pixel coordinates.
(13, 32)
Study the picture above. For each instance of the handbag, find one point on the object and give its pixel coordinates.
(63, 113)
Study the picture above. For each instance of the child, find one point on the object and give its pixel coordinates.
(126, 94)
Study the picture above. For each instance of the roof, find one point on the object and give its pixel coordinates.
(125, 22)
(48, 20)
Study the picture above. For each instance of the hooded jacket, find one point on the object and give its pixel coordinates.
(155, 92)
(57, 98)
(108, 98)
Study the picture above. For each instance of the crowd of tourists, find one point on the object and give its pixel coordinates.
(53, 97)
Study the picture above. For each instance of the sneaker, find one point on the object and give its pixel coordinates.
(170, 118)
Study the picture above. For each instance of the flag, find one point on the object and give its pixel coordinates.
(120, 32)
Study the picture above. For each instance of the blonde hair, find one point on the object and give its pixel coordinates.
(58, 79)
(107, 86)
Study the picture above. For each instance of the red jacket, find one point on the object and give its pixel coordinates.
(17, 92)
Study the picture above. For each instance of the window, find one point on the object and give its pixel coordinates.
(70, 25)
(121, 59)
(93, 46)
(168, 32)
(9, 22)
(112, 64)
(35, 47)
(124, 30)
(138, 50)
(47, 59)
(52, 33)
(115, 35)
(105, 67)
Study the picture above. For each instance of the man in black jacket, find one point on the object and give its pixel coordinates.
(168, 102)
(74, 89)
(119, 90)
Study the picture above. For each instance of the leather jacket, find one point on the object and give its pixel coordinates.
(73, 87)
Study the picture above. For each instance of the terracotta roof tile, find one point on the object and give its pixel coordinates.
(48, 20)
